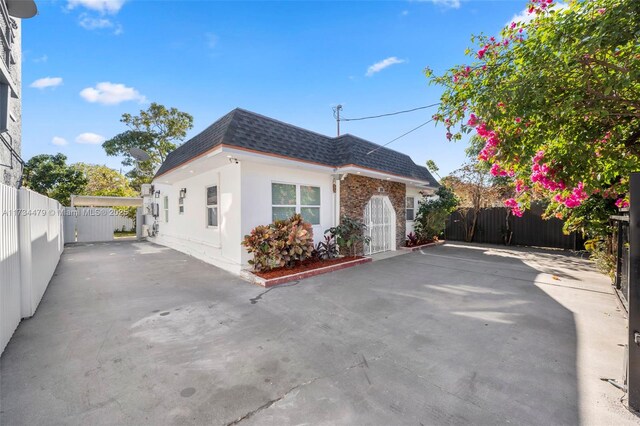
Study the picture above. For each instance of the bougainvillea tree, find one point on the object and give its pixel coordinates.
(556, 99)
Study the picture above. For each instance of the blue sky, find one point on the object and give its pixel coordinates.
(85, 62)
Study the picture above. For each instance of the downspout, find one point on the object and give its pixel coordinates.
(219, 195)
(336, 203)
(337, 178)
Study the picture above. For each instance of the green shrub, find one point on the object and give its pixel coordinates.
(432, 213)
(349, 235)
(327, 249)
(280, 244)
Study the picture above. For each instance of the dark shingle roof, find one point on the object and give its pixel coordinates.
(248, 130)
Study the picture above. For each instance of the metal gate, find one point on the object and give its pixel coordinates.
(379, 217)
(88, 224)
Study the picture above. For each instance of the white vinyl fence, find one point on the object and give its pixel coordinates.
(93, 224)
(10, 293)
(123, 221)
(31, 241)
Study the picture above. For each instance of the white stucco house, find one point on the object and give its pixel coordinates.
(247, 169)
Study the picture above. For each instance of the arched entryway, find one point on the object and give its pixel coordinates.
(380, 218)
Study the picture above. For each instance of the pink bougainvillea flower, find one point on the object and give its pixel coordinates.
(539, 156)
(621, 203)
(496, 170)
(577, 196)
(543, 174)
(601, 11)
(473, 120)
(514, 206)
(520, 186)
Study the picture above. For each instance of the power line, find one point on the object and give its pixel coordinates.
(387, 115)
(401, 136)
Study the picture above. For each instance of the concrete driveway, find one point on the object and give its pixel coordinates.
(134, 333)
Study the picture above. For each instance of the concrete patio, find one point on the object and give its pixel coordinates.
(134, 333)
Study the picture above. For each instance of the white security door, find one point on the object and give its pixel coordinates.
(379, 217)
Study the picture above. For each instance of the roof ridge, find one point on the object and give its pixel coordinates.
(282, 122)
(377, 145)
(230, 113)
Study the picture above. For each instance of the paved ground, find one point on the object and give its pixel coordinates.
(133, 333)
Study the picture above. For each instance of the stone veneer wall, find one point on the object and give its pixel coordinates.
(356, 191)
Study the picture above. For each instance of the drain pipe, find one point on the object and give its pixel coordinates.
(337, 179)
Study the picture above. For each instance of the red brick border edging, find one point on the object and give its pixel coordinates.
(252, 278)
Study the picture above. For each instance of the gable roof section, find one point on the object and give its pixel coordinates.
(244, 129)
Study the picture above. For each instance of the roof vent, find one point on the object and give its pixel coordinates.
(380, 189)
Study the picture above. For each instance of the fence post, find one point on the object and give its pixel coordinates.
(618, 275)
(26, 265)
(633, 372)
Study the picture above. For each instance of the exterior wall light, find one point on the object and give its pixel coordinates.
(183, 193)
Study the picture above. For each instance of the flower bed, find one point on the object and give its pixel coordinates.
(305, 269)
(303, 266)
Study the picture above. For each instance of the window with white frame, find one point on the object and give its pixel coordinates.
(288, 199)
(180, 205)
(410, 208)
(212, 206)
(166, 208)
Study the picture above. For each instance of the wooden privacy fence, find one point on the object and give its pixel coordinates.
(495, 223)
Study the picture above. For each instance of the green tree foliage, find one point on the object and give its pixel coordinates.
(51, 176)
(432, 213)
(105, 181)
(556, 101)
(157, 131)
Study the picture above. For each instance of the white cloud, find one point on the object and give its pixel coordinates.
(108, 93)
(43, 58)
(89, 23)
(102, 6)
(58, 141)
(404, 13)
(385, 63)
(526, 17)
(43, 83)
(453, 4)
(212, 40)
(90, 138)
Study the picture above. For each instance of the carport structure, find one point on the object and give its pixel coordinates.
(455, 334)
(104, 201)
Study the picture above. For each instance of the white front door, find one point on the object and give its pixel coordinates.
(380, 218)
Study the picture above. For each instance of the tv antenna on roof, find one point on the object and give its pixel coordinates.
(139, 154)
